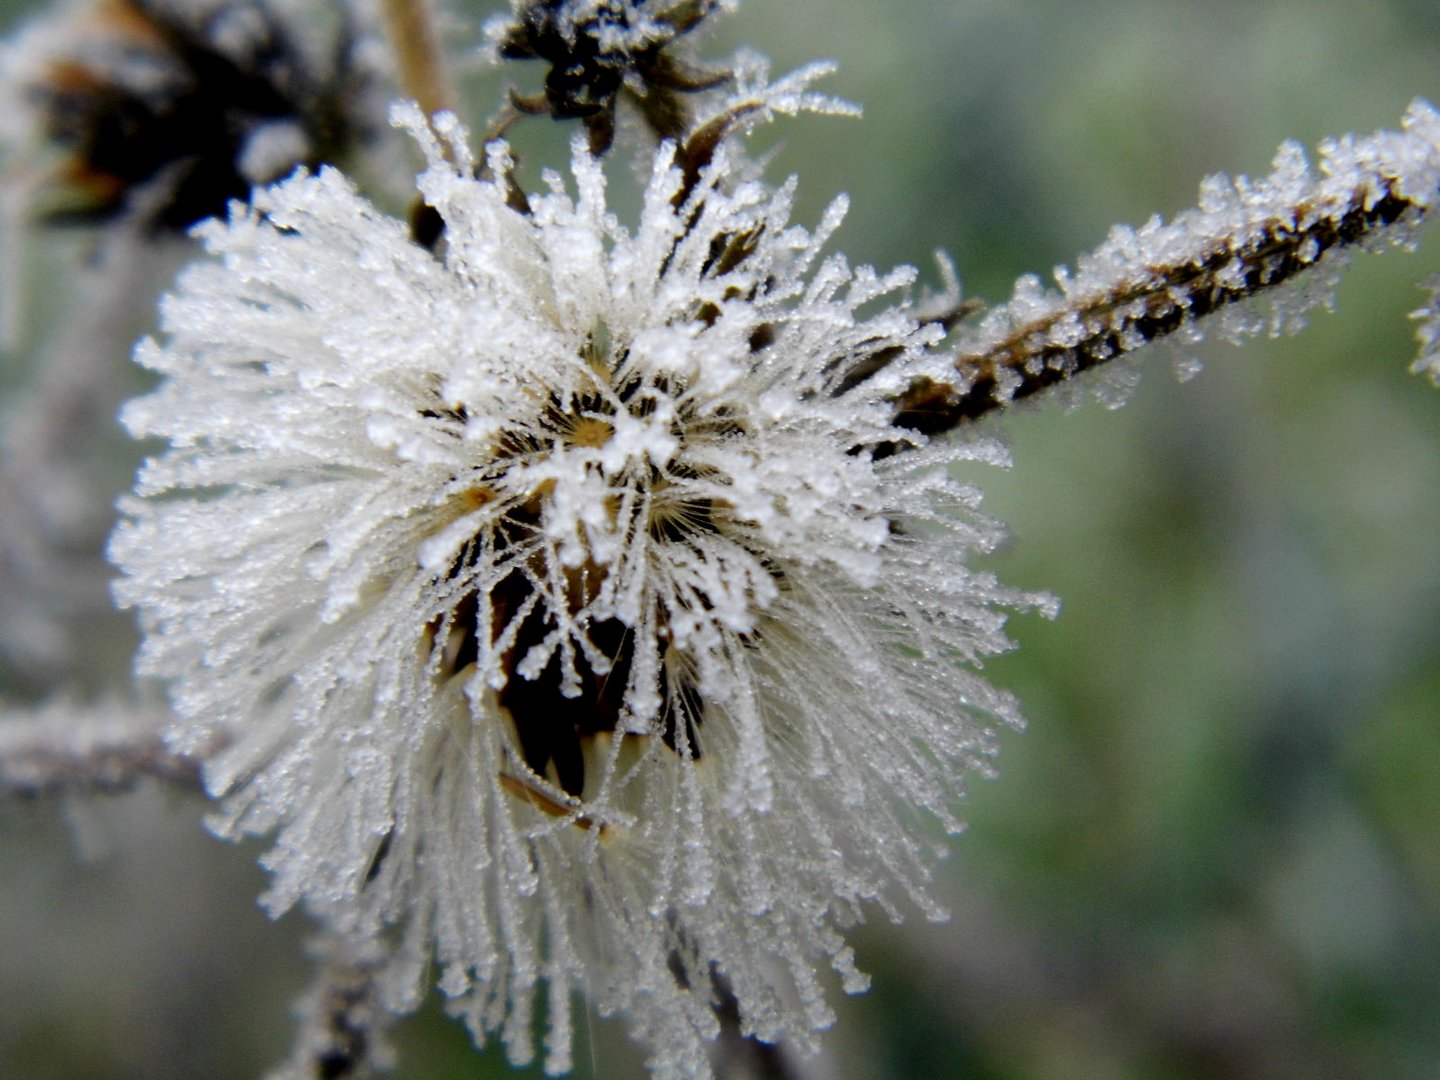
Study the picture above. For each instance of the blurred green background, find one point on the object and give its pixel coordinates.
(1215, 853)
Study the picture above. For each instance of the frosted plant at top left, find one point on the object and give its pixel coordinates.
(169, 108)
(122, 123)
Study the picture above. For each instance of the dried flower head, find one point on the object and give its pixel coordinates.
(549, 594)
(174, 107)
(597, 49)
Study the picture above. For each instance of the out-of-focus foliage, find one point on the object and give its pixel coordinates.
(1215, 855)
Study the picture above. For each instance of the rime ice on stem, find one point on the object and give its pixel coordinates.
(1246, 240)
(343, 1021)
(1427, 332)
(65, 747)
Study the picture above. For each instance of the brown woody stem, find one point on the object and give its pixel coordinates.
(419, 64)
(1028, 358)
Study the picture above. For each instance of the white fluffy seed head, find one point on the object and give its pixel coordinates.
(548, 595)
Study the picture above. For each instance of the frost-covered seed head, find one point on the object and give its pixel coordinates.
(549, 596)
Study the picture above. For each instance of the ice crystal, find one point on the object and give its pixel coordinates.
(548, 593)
(65, 746)
(614, 28)
(1427, 332)
(342, 1023)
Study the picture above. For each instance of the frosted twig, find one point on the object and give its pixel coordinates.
(1245, 239)
(106, 747)
(342, 1020)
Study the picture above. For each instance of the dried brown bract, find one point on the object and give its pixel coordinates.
(599, 50)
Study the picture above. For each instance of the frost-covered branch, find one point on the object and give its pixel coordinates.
(108, 747)
(342, 1019)
(1245, 240)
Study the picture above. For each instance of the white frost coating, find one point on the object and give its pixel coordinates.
(343, 1025)
(1289, 220)
(1427, 332)
(618, 26)
(68, 745)
(596, 458)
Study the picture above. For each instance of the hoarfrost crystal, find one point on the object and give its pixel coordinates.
(616, 26)
(1427, 332)
(549, 597)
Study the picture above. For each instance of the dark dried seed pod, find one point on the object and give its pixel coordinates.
(170, 110)
(598, 49)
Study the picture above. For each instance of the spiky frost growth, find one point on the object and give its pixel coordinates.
(550, 596)
(1193, 275)
(1427, 332)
